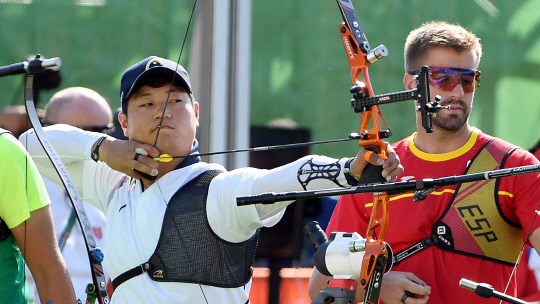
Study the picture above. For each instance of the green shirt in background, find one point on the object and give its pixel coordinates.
(21, 192)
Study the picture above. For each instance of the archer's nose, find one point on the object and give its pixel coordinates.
(165, 112)
(457, 91)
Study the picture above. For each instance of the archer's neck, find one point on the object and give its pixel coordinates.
(442, 141)
(163, 169)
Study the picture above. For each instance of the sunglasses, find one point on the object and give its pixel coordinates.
(97, 129)
(446, 79)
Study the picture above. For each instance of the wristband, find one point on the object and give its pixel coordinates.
(95, 152)
(351, 180)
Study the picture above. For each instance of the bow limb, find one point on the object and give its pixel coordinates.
(94, 254)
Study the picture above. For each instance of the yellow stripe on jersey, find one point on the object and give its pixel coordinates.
(397, 197)
(505, 193)
(443, 156)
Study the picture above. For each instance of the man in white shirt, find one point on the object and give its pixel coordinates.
(176, 234)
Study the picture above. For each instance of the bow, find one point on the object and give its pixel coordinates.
(360, 56)
(99, 287)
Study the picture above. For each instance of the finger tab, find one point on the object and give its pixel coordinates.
(141, 151)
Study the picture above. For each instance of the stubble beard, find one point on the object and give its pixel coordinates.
(453, 122)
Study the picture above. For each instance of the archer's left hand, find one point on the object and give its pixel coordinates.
(391, 166)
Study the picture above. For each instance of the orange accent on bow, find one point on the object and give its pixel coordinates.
(377, 251)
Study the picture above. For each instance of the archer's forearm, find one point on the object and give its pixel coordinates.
(37, 242)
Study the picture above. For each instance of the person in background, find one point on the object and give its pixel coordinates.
(15, 119)
(116, 131)
(88, 110)
(27, 232)
(474, 230)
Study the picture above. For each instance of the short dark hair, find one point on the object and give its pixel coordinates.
(438, 33)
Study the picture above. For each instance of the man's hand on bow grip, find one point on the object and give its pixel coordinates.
(120, 156)
(396, 283)
(391, 166)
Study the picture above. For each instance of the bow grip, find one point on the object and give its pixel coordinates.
(372, 174)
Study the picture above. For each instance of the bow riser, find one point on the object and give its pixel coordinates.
(360, 57)
(357, 59)
(358, 52)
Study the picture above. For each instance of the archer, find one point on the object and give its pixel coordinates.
(176, 232)
(475, 230)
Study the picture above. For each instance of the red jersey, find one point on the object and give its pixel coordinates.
(537, 153)
(528, 286)
(528, 289)
(411, 222)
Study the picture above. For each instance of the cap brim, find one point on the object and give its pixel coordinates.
(159, 70)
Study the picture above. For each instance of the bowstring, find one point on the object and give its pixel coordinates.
(521, 252)
(171, 86)
(174, 74)
(163, 115)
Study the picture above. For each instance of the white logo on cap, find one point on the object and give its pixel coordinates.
(154, 62)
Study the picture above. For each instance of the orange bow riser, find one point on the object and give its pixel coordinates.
(360, 56)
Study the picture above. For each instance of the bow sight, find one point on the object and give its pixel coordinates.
(428, 109)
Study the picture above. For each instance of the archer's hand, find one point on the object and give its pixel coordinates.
(391, 166)
(395, 283)
(120, 156)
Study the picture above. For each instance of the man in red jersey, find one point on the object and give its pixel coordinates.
(474, 230)
(536, 150)
(528, 271)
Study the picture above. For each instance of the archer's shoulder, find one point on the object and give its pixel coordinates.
(483, 138)
(10, 145)
(519, 155)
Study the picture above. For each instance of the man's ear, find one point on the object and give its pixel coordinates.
(409, 81)
(196, 109)
(122, 118)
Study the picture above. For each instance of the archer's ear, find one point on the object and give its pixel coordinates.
(122, 118)
(409, 81)
(196, 109)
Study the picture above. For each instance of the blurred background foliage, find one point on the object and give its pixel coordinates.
(298, 65)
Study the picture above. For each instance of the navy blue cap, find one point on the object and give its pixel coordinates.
(151, 66)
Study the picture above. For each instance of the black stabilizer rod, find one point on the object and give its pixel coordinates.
(34, 66)
(393, 188)
(487, 291)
